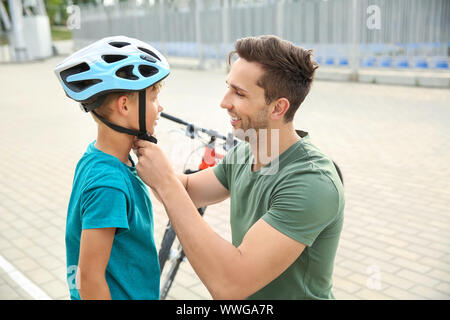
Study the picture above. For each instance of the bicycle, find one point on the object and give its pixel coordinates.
(210, 158)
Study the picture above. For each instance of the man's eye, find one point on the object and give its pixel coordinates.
(239, 94)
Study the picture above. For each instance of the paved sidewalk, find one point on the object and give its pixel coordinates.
(392, 143)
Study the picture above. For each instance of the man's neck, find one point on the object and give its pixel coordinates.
(114, 143)
(271, 144)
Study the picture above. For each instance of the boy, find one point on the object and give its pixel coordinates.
(110, 245)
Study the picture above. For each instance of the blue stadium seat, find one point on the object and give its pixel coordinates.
(441, 62)
(343, 62)
(329, 61)
(402, 62)
(421, 63)
(369, 62)
(386, 62)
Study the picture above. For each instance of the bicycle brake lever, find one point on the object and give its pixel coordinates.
(230, 142)
(190, 131)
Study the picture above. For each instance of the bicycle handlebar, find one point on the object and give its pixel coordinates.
(191, 129)
(174, 119)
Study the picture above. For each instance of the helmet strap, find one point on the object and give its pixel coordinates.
(142, 133)
(116, 127)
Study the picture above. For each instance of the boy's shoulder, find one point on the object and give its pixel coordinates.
(97, 169)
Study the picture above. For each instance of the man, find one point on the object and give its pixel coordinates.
(286, 202)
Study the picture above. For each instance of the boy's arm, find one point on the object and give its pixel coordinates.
(95, 249)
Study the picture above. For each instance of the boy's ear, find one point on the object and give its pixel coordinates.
(121, 104)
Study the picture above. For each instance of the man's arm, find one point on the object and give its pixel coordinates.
(95, 249)
(203, 187)
(228, 272)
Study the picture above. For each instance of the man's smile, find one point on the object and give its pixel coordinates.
(234, 119)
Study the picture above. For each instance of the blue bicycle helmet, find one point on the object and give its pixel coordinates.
(112, 64)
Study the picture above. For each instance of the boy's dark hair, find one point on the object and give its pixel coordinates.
(104, 110)
(288, 69)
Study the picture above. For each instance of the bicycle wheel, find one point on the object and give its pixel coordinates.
(171, 255)
(170, 276)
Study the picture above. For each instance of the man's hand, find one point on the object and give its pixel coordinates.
(153, 167)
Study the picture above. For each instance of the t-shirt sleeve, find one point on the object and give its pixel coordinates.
(220, 170)
(303, 206)
(228, 167)
(223, 170)
(104, 207)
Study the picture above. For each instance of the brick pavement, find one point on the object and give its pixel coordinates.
(392, 144)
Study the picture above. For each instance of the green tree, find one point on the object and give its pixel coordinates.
(56, 11)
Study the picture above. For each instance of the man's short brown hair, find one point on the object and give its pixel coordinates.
(288, 69)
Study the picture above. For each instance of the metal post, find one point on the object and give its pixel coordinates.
(18, 47)
(198, 33)
(162, 24)
(280, 18)
(4, 17)
(40, 7)
(7, 24)
(355, 42)
(225, 29)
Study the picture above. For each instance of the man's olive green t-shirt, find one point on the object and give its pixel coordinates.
(300, 195)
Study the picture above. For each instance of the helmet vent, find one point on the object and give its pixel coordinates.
(111, 58)
(147, 71)
(126, 73)
(150, 53)
(82, 85)
(119, 44)
(79, 68)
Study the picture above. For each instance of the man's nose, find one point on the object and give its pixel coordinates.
(226, 104)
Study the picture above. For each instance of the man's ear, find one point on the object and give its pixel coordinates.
(280, 108)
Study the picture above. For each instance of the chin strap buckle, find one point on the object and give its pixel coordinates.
(147, 136)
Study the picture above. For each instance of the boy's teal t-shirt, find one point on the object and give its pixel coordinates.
(107, 193)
